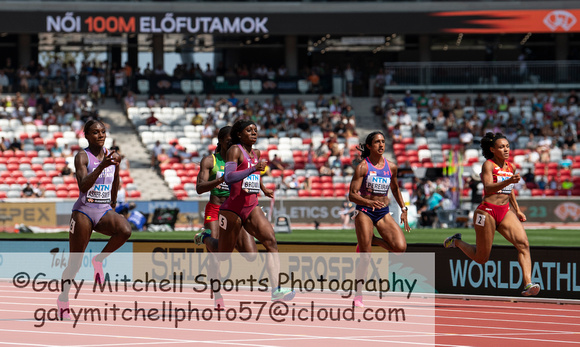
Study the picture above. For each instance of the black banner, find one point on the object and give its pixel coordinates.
(556, 269)
(380, 22)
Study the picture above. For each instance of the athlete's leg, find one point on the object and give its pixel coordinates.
(513, 231)
(484, 232)
(229, 225)
(260, 227)
(392, 237)
(246, 245)
(114, 225)
(79, 235)
(364, 229)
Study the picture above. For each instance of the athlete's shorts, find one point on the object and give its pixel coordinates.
(498, 212)
(375, 215)
(94, 214)
(211, 214)
(241, 207)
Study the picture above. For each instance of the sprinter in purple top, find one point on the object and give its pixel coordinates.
(369, 189)
(98, 179)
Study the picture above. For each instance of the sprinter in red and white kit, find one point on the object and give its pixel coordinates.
(498, 177)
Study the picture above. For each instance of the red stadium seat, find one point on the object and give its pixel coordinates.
(287, 173)
(34, 180)
(180, 194)
(326, 179)
(73, 194)
(316, 193)
(3, 195)
(19, 154)
(21, 180)
(306, 141)
(550, 192)
(49, 160)
(61, 194)
(275, 173)
(69, 180)
(328, 193)
(303, 193)
(537, 192)
(134, 194)
(32, 154)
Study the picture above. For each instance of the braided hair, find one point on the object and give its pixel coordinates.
(365, 151)
(222, 134)
(236, 129)
(488, 141)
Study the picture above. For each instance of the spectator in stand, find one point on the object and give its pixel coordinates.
(151, 102)
(129, 100)
(152, 120)
(27, 191)
(276, 163)
(314, 81)
(572, 98)
(408, 99)
(349, 75)
(569, 142)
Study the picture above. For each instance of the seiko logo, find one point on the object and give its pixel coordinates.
(560, 19)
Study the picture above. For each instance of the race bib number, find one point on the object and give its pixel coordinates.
(251, 184)
(223, 222)
(99, 194)
(480, 219)
(508, 189)
(378, 185)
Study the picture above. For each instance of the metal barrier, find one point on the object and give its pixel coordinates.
(483, 75)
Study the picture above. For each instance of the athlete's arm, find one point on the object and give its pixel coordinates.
(397, 194)
(233, 157)
(516, 207)
(203, 185)
(84, 179)
(268, 192)
(115, 187)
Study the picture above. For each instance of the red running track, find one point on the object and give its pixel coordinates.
(428, 321)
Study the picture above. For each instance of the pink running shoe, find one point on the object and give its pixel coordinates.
(358, 301)
(99, 274)
(357, 248)
(219, 304)
(63, 310)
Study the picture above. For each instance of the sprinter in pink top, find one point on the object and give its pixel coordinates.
(97, 173)
(242, 174)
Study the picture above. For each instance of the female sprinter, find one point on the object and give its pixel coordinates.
(98, 180)
(498, 177)
(211, 179)
(369, 190)
(240, 209)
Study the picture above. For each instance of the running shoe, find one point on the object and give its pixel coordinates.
(199, 237)
(219, 304)
(450, 241)
(99, 273)
(357, 248)
(357, 302)
(531, 289)
(282, 294)
(63, 310)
